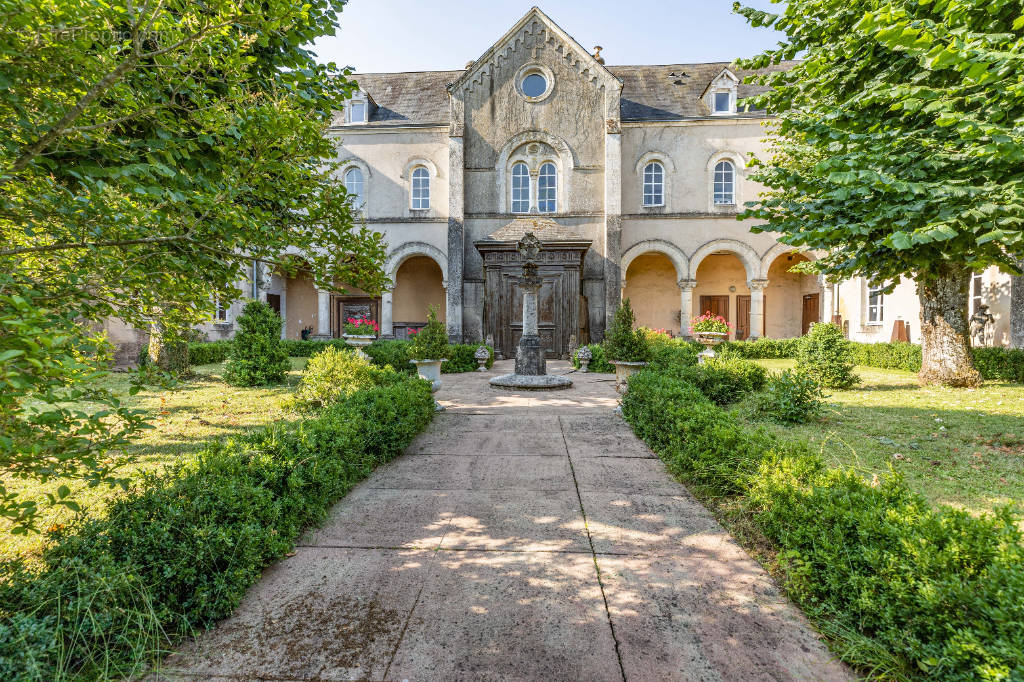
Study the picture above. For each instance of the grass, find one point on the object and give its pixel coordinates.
(962, 447)
(201, 409)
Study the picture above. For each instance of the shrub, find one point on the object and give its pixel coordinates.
(391, 353)
(180, 549)
(1006, 364)
(666, 353)
(337, 373)
(431, 341)
(598, 362)
(623, 343)
(790, 398)
(825, 354)
(461, 358)
(722, 380)
(762, 348)
(297, 348)
(257, 356)
(939, 591)
(905, 356)
(208, 353)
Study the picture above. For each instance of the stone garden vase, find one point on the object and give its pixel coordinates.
(359, 342)
(431, 371)
(624, 370)
(709, 339)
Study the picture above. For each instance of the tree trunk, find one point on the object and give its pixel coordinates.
(945, 344)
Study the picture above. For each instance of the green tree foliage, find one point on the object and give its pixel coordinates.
(825, 355)
(899, 149)
(257, 355)
(431, 341)
(151, 152)
(622, 342)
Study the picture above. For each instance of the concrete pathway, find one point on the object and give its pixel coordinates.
(521, 537)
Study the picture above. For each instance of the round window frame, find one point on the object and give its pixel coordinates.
(541, 70)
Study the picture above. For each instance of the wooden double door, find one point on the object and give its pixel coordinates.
(719, 305)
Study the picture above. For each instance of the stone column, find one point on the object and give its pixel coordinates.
(756, 306)
(529, 354)
(456, 220)
(612, 202)
(261, 280)
(686, 287)
(387, 322)
(323, 314)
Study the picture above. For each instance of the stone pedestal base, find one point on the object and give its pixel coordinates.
(530, 356)
(522, 382)
(320, 337)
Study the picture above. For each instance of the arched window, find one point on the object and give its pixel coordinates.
(547, 188)
(654, 184)
(354, 187)
(520, 188)
(420, 188)
(725, 185)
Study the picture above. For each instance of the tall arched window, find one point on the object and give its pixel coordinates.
(654, 184)
(520, 188)
(725, 183)
(420, 188)
(354, 187)
(547, 189)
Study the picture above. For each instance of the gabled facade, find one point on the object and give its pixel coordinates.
(635, 174)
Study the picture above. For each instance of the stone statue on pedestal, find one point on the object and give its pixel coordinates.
(980, 321)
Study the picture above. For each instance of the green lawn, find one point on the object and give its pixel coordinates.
(201, 409)
(962, 447)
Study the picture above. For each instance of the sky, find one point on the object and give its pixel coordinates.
(427, 35)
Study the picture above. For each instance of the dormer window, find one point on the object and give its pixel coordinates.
(357, 112)
(723, 102)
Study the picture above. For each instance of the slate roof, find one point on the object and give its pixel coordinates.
(545, 229)
(649, 93)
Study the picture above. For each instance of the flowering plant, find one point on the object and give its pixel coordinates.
(709, 322)
(360, 326)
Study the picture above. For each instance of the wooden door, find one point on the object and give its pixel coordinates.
(716, 305)
(274, 301)
(811, 313)
(550, 314)
(353, 306)
(742, 317)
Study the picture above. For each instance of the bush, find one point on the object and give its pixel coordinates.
(336, 373)
(722, 380)
(790, 398)
(905, 356)
(762, 348)
(180, 550)
(208, 353)
(391, 353)
(297, 348)
(257, 356)
(938, 592)
(462, 358)
(598, 362)
(431, 341)
(1006, 364)
(666, 353)
(826, 355)
(622, 343)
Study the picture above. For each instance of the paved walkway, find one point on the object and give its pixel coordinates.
(522, 536)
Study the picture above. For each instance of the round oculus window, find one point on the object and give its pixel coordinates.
(534, 85)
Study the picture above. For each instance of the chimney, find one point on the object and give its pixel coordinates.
(597, 54)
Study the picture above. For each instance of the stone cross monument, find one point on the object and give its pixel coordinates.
(531, 367)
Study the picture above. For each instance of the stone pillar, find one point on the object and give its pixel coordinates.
(756, 306)
(387, 321)
(261, 280)
(612, 203)
(323, 315)
(1017, 310)
(686, 287)
(529, 353)
(456, 221)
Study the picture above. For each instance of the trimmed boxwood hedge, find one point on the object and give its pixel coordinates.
(904, 590)
(179, 550)
(384, 352)
(1006, 364)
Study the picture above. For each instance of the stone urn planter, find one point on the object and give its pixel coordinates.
(584, 355)
(482, 355)
(359, 342)
(708, 339)
(624, 370)
(431, 371)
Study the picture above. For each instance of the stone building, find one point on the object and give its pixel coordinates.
(633, 177)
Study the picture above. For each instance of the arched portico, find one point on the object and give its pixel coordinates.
(418, 284)
(725, 278)
(654, 284)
